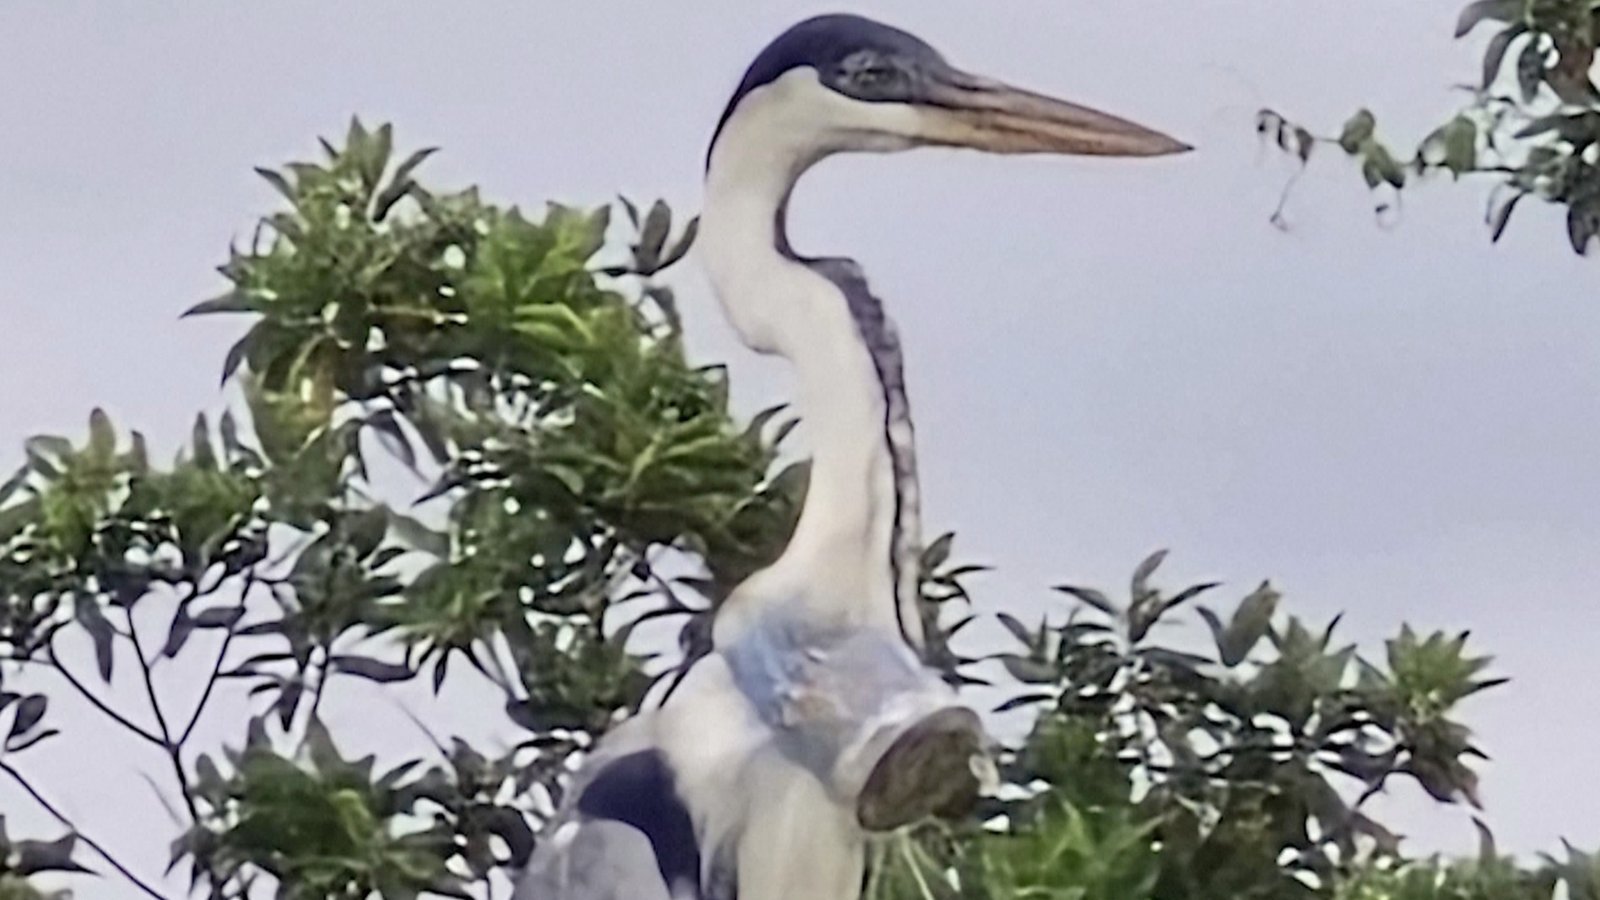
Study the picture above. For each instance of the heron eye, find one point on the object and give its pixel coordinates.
(875, 76)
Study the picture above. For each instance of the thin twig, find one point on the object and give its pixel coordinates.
(54, 662)
(681, 670)
(90, 842)
(173, 749)
(211, 683)
(324, 672)
(149, 678)
(499, 676)
(679, 673)
(216, 668)
(1277, 218)
(916, 869)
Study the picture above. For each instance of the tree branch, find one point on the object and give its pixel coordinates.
(172, 748)
(149, 679)
(205, 696)
(91, 843)
(54, 662)
(324, 672)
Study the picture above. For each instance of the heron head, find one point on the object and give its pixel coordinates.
(840, 82)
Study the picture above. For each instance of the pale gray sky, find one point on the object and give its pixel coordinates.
(1105, 357)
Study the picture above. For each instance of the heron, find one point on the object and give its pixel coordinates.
(814, 721)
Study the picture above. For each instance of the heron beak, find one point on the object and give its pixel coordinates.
(964, 110)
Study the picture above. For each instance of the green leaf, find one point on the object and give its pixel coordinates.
(1380, 166)
(652, 237)
(15, 518)
(681, 248)
(377, 156)
(389, 197)
(138, 454)
(1454, 145)
(1494, 55)
(279, 184)
(178, 634)
(48, 445)
(1139, 586)
(219, 617)
(666, 300)
(1090, 596)
(1021, 700)
(509, 825)
(320, 748)
(1481, 10)
(29, 711)
(365, 531)
(1583, 223)
(372, 669)
(1018, 630)
(938, 552)
(1530, 69)
(1487, 852)
(35, 857)
(288, 702)
(1357, 131)
(1304, 143)
(102, 436)
(1028, 670)
(14, 484)
(657, 223)
(355, 138)
(232, 301)
(39, 464)
(1370, 172)
(632, 210)
(1249, 625)
(228, 430)
(538, 719)
(1502, 216)
(1187, 594)
(400, 184)
(200, 447)
(1578, 129)
(87, 612)
(237, 355)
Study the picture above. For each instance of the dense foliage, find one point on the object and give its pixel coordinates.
(1531, 123)
(587, 480)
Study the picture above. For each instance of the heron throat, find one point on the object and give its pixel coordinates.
(854, 557)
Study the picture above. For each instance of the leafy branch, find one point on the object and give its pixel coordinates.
(1530, 124)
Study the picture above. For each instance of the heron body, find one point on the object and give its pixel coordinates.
(814, 720)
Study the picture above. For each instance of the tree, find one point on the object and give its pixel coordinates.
(588, 480)
(1531, 123)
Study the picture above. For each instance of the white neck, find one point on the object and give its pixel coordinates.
(837, 567)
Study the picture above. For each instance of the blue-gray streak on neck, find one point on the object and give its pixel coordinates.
(882, 341)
